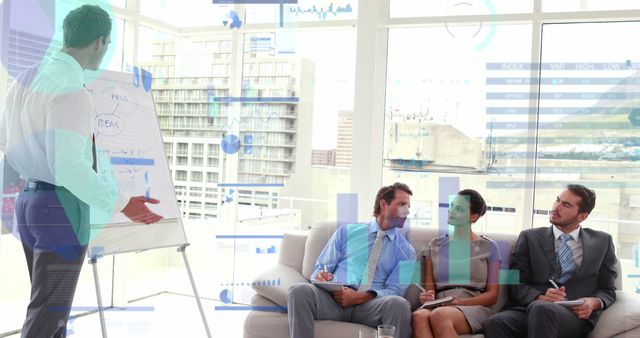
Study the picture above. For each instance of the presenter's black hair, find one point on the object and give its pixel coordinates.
(83, 25)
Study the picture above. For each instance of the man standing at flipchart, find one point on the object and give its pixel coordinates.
(47, 136)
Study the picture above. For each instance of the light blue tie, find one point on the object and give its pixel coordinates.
(565, 258)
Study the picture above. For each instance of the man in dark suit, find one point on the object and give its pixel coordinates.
(580, 261)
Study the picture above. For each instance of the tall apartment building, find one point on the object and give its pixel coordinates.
(200, 103)
(345, 139)
(324, 157)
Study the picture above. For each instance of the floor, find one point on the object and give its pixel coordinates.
(163, 315)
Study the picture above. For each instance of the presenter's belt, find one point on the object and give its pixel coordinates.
(38, 185)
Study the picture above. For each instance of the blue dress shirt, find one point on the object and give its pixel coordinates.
(347, 253)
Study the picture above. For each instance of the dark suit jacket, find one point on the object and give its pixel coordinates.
(534, 256)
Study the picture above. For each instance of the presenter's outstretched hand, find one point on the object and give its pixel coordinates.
(137, 211)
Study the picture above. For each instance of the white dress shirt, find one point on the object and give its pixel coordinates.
(46, 133)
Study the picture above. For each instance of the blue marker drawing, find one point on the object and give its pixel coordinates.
(147, 188)
(136, 76)
(147, 79)
(132, 161)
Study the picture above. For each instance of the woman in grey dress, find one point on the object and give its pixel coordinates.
(463, 265)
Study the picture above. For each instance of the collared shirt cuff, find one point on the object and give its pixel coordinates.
(382, 292)
(601, 303)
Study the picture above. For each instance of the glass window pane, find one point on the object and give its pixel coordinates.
(590, 126)
(440, 122)
(115, 63)
(119, 3)
(417, 8)
(186, 13)
(588, 5)
(302, 11)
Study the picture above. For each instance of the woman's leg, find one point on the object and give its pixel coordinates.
(448, 321)
(420, 325)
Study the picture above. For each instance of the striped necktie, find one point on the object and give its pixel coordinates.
(565, 258)
(367, 278)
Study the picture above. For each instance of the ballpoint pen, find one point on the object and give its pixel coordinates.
(553, 283)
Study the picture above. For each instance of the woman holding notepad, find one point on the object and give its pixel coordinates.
(461, 274)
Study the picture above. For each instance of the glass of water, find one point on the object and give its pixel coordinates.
(367, 333)
(386, 331)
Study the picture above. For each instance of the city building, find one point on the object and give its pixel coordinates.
(218, 129)
(324, 157)
(345, 139)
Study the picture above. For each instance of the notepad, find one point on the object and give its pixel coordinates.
(570, 302)
(436, 302)
(329, 286)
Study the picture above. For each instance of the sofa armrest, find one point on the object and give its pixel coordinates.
(623, 315)
(292, 250)
(274, 283)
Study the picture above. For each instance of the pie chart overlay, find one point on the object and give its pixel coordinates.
(225, 296)
(230, 144)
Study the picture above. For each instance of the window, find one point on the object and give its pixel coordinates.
(181, 160)
(181, 175)
(197, 149)
(416, 8)
(587, 133)
(196, 176)
(440, 127)
(588, 5)
(196, 161)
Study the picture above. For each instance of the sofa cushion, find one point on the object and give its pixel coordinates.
(292, 250)
(285, 276)
(319, 235)
(623, 315)
(261, 324)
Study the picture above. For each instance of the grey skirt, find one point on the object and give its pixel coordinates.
(475, 314)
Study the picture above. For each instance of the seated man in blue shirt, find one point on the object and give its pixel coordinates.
(371, 259)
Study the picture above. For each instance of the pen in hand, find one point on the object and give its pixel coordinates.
(556, 295)
(325, 275)
(425, 296)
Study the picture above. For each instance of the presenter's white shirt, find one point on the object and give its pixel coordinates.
(47, 128)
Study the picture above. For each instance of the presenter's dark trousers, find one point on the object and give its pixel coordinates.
(54, 229)
(539, 319)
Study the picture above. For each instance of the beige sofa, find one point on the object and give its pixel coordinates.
(298, 255)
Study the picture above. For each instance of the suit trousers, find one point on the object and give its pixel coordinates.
(53, 226)
(539, 319)
(306, 303)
